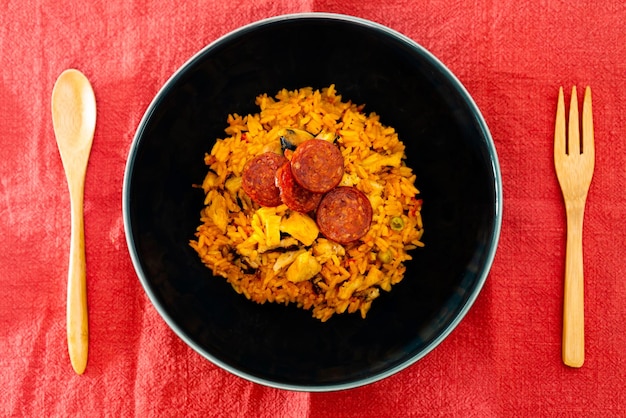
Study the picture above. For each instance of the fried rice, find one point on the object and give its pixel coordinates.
(274, 254)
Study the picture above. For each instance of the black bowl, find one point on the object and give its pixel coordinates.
(448, 146)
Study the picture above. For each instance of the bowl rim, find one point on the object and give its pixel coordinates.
(492, 243)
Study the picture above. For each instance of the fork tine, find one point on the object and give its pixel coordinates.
(559, 129)
(573, 132)
(588, 146)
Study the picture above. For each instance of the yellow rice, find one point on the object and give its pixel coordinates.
(237, 241)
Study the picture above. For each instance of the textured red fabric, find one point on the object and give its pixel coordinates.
(503, 359)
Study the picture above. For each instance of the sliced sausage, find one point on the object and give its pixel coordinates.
(317, 165)
(292, 194)
(258, 179)
(344, 215)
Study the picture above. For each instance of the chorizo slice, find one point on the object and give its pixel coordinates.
(258, 179)
(292, 194)
(317, 165)
(344, 215)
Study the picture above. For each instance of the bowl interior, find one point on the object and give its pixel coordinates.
(448, 147)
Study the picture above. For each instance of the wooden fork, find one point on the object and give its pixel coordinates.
(574, 164)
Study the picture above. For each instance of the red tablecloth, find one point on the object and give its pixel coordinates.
(503, 359)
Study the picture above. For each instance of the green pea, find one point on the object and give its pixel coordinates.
(385, 256)
(396, 223)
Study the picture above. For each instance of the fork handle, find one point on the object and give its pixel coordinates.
(573, 300)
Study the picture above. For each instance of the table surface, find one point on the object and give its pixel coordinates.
(502, 360)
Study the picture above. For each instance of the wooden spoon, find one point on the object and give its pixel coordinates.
(74, 121)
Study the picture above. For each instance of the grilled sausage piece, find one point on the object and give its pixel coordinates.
(258, 179)
(344, 215)
(317, 165)
(292, 194)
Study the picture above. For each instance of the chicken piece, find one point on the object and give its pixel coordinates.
(272, 231)
(375, 162)
(303, 268)
(271, 226)
(233, 184)
(274, 146)
(324, 250)
(326, 136)
(286, 259)
(349, 179)
(301, 227)
(374, 276)
(218, 212)
(349, 287)
(286, 242)
(210, 182)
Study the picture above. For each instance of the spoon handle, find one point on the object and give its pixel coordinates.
(77, 324)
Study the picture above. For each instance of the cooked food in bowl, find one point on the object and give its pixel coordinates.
(425, 114)
(309, 202)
